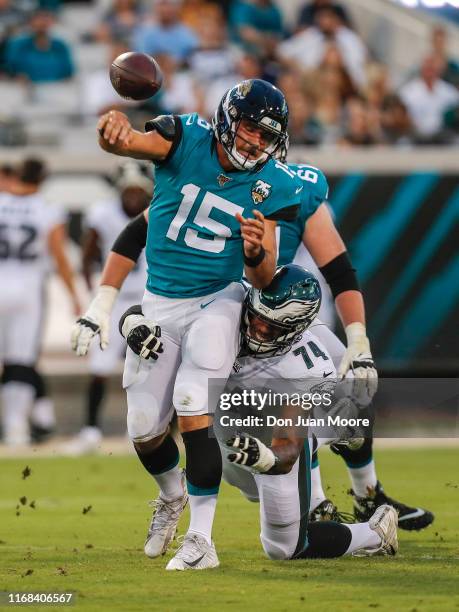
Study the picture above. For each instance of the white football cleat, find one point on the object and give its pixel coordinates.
(164, 523)
(86, 442)
(384, 521)
(194, 554)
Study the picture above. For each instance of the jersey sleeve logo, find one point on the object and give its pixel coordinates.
(260, 191)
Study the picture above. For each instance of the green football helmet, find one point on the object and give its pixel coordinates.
(274, 318)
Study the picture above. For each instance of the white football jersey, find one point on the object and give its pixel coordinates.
(108, 219)
(25, 224)
(308, 359)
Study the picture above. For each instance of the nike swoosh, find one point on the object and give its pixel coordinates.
(327, 374)
(195, 562)
(298, 190)
(419, 512)
(204, 305)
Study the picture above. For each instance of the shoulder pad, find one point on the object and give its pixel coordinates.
(165, 125)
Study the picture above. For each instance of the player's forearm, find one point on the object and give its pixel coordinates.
(117, 136)
(261, 275)
(134, 149)
(116, 269)
(287, 452)
(350, 307)
(67, 276)
(56, 241)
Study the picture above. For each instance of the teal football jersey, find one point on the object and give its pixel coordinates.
(194, 244)
(315, 191)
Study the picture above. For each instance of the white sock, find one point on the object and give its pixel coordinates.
(317, 492)
(202, 511)
(17, 399)
(362, 537)
(363, 478)
(43, 413)
(170, 484)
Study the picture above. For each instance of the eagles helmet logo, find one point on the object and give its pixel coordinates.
(260, 191)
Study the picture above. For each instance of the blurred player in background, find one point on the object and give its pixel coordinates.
(30, 232)
(6, 178)
(104, 223)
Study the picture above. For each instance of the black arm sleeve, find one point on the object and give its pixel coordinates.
(340, 275)
(133, 238)
(289, 213)
(170, 128)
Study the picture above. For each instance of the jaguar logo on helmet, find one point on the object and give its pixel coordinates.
(244, 88)
(260, 191)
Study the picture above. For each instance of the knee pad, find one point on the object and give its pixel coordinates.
(14, 372)
(142, 424)
(190, 398)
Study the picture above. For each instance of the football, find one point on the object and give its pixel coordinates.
(135, 76)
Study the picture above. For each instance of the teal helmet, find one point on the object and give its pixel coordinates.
(274, 318)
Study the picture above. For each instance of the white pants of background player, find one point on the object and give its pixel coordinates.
(284, 503)
(21, 327)
(201, 339)
(104, 362)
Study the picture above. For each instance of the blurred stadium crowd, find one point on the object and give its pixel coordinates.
(54, 71)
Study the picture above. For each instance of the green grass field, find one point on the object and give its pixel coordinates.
(55, 547)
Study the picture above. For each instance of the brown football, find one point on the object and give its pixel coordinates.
(135, 76)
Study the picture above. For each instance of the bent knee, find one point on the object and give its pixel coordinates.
(142, 424)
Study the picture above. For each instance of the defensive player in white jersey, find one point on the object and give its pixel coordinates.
(30, 232)
(104, 223)
(218, 196)
(279, 355)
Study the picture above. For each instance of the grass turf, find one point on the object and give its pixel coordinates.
(56, 547)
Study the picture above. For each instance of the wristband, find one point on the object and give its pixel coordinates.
(253, 262)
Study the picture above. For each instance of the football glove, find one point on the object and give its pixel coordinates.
(357, 356)
(251, 452)
(142, 335)
(96, 320)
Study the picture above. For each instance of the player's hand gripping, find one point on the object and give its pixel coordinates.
(96, 320)
(251, 452)
(142, 335)
(252, 232)
(357, 356)
(115, 128)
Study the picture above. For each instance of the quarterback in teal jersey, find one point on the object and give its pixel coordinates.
(314, 229)
(219, 193)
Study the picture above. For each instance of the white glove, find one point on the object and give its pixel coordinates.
(251, 452)
(357, 356)
(96, 320)
(142, 336)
